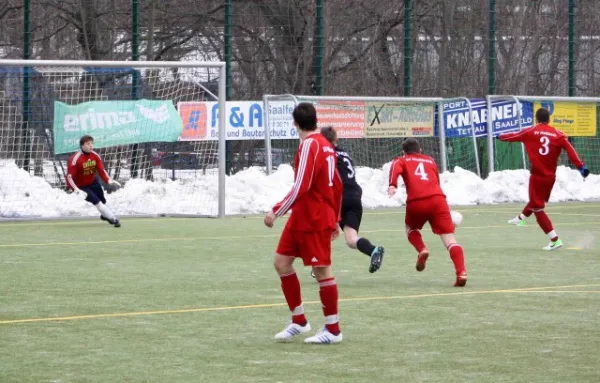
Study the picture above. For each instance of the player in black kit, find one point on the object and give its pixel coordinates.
(351, 204)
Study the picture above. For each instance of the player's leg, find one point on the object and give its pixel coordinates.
(106, 213)
(287, 250)
(442, 225)
(95, 197)
(351, 219)
(540, 196)
(413, 221)
(519, 220)
(316, 251)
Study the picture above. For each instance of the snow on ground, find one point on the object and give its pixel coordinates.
(252, 191)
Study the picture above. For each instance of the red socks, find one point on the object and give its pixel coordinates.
(291, 291)
(457, 256)
(415, 239)
(329, 299)
(545, 224)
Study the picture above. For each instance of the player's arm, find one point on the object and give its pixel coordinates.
(520, 136)
(72, 167)
(103, 173)
(308, 153)
(395, 171)
(574, 157)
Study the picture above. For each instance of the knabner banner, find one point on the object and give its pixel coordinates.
(505, 117)
(114, 123)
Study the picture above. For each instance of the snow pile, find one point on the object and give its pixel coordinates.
(252, 191)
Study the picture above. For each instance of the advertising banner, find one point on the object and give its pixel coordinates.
(113, 123)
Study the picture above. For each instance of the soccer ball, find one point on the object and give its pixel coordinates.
(457, 218)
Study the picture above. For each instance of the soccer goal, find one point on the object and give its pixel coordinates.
(372, 129)
(577, 117)
(149, 125)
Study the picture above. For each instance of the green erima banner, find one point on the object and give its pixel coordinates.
(114, 123)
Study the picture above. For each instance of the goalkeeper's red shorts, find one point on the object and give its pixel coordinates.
(434, 210)
(314, 247)
(540, 189)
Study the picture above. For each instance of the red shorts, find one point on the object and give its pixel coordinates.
(540, 189)
(314, 247)
(434, 210)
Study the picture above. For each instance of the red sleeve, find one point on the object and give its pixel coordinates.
(72, 171)
(306, 165)
(573, 157)
(395, 171)
(516, 136)
(101, 170)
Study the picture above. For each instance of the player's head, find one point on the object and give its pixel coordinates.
(411, 146)
(330, 134)
(305, 117)
(542, 116)
(86, 143)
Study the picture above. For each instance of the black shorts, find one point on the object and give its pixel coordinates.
(95, 193)
(351, 213)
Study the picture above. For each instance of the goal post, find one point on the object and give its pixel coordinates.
(372, 128)
(148, 121)
(577, 117)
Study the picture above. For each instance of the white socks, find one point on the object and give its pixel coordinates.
(105, 211)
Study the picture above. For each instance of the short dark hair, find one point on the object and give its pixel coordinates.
(329, 133)
(84, 139)
(542, 116)
(410, 146)
(305, 116)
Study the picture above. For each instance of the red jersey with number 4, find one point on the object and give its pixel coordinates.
(544, 144)
(82, 168)
(316, 197)
(420, 174)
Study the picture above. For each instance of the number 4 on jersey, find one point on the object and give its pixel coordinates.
(420, 171)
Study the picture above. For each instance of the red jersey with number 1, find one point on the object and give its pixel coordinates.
(316, 197)
(544, 144)
(420, 174)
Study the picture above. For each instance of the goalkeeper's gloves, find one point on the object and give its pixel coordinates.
(114, 183)
(80, 194)
(584, 171)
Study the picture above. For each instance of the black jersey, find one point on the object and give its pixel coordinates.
(346, 169)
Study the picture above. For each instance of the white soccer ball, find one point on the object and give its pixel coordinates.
(457, 218)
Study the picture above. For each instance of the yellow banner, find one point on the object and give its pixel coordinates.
(575, 119)
(398, 119)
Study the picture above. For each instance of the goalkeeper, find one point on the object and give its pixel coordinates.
(81, 177)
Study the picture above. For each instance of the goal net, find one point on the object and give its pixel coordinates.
(147, 127)
(372, 129)
(574, 116)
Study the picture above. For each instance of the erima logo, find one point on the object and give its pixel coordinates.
(92, 120)
(159, 115)
(96, 120)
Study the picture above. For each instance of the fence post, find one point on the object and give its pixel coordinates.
(407, 48)
(26, 86)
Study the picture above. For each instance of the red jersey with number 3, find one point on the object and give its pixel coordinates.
(420, 174)
(316, 197)
(544, 144)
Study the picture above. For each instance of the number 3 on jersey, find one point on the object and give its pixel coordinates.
(420, 171)
(545, 149)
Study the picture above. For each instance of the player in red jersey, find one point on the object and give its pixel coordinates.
(543, 144)
(315, 200)
(82, 168)
(425, 202)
